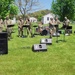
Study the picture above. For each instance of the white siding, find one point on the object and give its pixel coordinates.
(46, 18)
(32, 19)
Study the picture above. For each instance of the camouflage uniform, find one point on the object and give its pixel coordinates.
(51, 27)
(29, 30)
(57, 22)
(1, 25)
(7, 22)
(66, 23)
(20, 23)
(40, 27)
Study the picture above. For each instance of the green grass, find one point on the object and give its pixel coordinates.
(21, 60)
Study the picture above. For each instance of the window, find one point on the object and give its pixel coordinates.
(47, 18)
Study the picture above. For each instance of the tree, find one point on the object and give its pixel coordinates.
(39, 14)
(5, 8)
(13, 9)
(64, 8)
(25, 6)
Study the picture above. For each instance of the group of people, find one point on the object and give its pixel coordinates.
(53, 25)
(24, 23)
(5, 25)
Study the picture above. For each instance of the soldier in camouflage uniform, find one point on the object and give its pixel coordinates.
(52, 27)
(7, 22)
(57, 22)
(20, 23)
(29, 30)
(1, 25)
(66, 23)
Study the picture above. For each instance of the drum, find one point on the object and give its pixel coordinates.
(44, 32)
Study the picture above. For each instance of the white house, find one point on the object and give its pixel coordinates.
(33, 19)
(46, 18)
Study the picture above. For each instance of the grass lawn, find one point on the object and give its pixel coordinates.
(59, 59)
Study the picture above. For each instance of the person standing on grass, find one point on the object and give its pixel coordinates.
(66, 23)
(52, 27)
(57, 22)
(7, 22)
(20, 23)
(29, 30)
(40, 27)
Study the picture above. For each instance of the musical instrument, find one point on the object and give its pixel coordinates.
(35, 26)
(11, 25)
(44, 32)
(26, 25)
(56, 26)
(68, 27)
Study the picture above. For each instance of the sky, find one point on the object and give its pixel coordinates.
(46, 4)
(43, 4)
